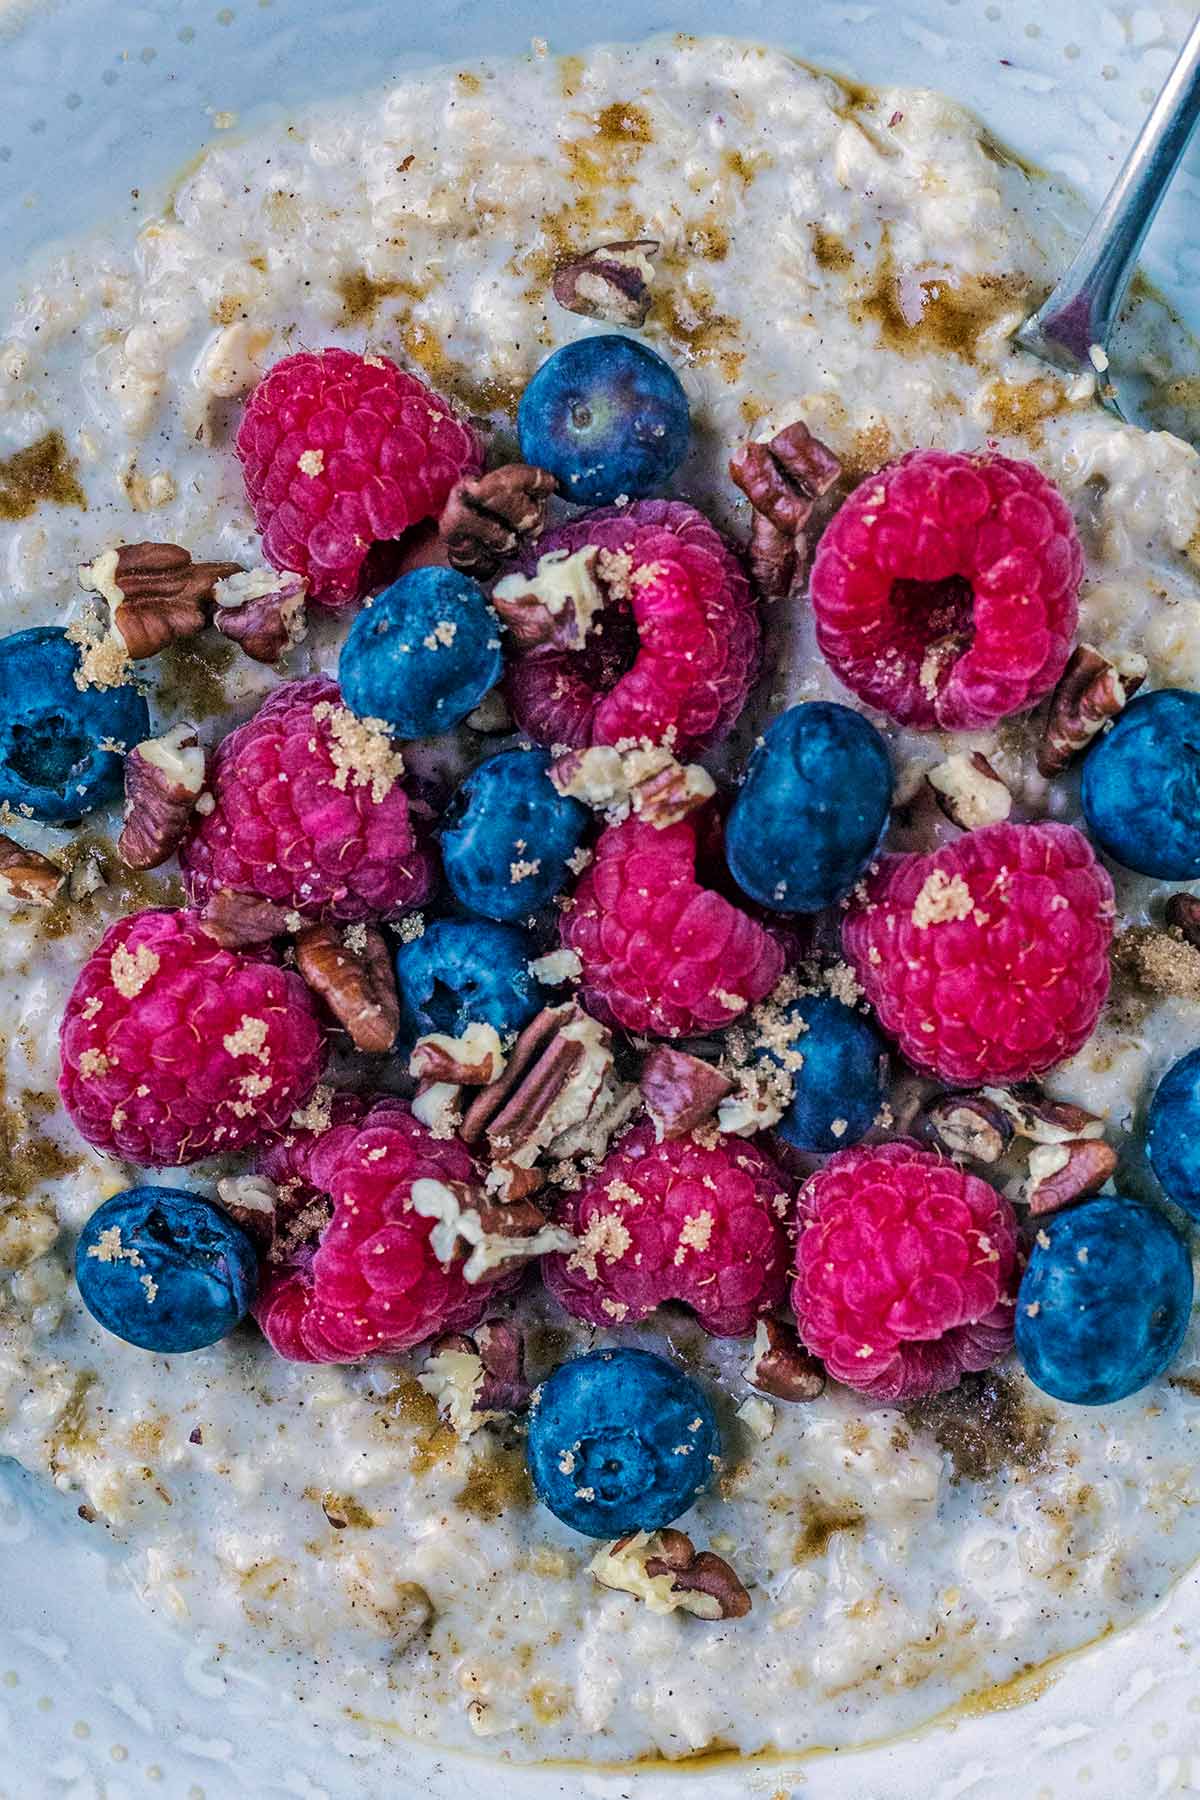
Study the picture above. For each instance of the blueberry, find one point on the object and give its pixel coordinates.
(423, 654)
(1141, 786)
(508, 836)
(52, 735)
(812, 808)
(165, 1270)
(608, 417)
(843, 1078)
(1104, 1302)
(620, 1441)
(1173, 1133)
(465, 971)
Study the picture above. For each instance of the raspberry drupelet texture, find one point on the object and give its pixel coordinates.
(672, 655)
(174, 1049)
(907, 1271)
(660, 952)
(946, 589)
(340, 452)
(369, 1283)
(309, 813)
(986, 960)
(681, 1220)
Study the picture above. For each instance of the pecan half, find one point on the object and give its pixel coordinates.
(1060, 1174)
(488, 517)
(262, 610)
(967, 1126)
(680, 1091)
(357, 984)
(1044, 1121)
(780, 1365)
(27, 878)
(611, 282)
(783, 479)
(969, 791)
(164, 777)
(645, 780)
(236, 921)
(558, 603)
(1183, 914)
(665, 1571)
(499, 1236)
(156, 593)
(1092, 691)
(472, 1060)
(478, 1378)
(251, 1202)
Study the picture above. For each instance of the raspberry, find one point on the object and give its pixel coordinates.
(681, 1221)
(661, 953)
(309, 813)
(671, 657)
(946, 589)
(987, 960)
(340, 452)
(173, 1049)
(906, 1271)
(370, 1284)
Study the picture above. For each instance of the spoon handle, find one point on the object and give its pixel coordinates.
(1086, 300)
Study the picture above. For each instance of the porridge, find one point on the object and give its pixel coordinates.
(855, 259)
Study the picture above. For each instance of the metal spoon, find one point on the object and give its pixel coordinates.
(1073, 327)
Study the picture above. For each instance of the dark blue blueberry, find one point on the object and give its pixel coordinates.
(165, 1270)
(465, 971)
(1141, 786)
(843, 1079)
(51, 759)
(1105, 1301)
(811, 810)
(621, 1441)
(505, 816)
(1173, 1133)
(423, 654)
(608, 417)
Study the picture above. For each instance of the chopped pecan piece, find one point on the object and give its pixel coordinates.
(27, 878)
(478, 1378)
(665, 1571)
(251, 1202)
(1060, 1174)
(558, 603)
(780, 1365)
(237, 921)
(1092, 691)
(488, 517)
(262, 610)
(156, 593)
(970, 792)
(645, 780)
(783, 479)
(357, 984)
(473, 1060)
(967, 1126)
(164, 777)
(498, 1235)
(611, 282)
(680, 1091)
(1045, 1121)
(1183, 915)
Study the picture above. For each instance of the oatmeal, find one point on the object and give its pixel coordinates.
(858, 260)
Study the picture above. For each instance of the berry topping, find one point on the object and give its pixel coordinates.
(369, 1280)
(1173, 1133)
(704, 1224)
(165, 1270)
(987, 960)
(666, 639)
(946, 589)
(174, 1049)
(906, 1271)
(461, 972)
(815, 801)
(839, 1084)
(1105, 1301)
(660, 952)
(621, 1441)
(508, 837)
(1141, 786)
(60, 744)
(309, 813)
(608, 417)
(423, 654)
(340, 452)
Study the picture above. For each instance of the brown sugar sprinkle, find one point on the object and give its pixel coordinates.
(496, 1483)
(29, 1161)
(361, 296)
(953, 316)
(984, 1426)
(42, 471)
(1163, 962)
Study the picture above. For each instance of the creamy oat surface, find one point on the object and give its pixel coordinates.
(855, 258)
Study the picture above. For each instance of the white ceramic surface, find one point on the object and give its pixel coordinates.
(102, 102)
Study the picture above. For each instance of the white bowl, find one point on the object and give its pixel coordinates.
(97, 1699)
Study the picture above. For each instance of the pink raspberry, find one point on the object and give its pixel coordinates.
(340, 452)
(986, 960)
(309, 813)
(675, 651)
(661, 953)
(681, 1220)
(370, 1284)
(174, 1049)
(946, 589)
(907, 1271)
